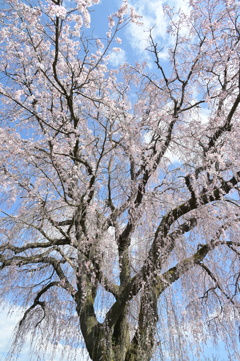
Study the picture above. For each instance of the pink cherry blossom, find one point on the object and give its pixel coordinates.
(119, 184)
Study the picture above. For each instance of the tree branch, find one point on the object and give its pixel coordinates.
(37, 302)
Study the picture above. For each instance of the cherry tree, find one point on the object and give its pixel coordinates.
(120, 187)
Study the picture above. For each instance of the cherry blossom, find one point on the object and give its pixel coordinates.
(119, 190)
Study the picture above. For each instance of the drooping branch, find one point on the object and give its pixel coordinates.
(37, 302)
(217, 283)
(224, 128)
(174, 273)
(152, 263)
(40, 258)
(33, 245)
(204, 198)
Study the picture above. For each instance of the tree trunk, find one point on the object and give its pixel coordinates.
(142, 344)
(103, 343)
(113, 344)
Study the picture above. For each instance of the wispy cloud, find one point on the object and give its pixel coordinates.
(117, 57)
(154, 19)
(8, 322)
(10, 317)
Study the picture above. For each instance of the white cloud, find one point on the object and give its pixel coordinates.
(10, 316)
(204, 115)
(8, 322)
(153, 19)
(173, 156)
(117, 58)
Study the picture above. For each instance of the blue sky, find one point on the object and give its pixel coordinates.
(8, 322)
(134, 37)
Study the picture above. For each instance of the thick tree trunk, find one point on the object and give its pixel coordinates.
(104, 344)
(121, 338)
(113, 344)
(142, 344)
